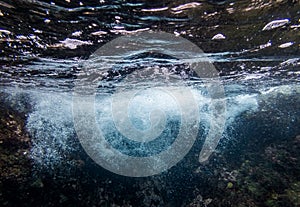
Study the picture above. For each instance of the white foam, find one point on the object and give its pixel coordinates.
(51, 127)
(51, 122)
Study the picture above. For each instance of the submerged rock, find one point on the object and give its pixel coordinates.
(14, 144)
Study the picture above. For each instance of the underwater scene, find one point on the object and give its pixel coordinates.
(170, 103)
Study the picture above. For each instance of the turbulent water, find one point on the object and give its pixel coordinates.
(253, 45)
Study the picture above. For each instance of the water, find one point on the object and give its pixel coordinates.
(46, 59)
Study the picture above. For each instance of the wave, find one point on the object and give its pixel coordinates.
(51, 121)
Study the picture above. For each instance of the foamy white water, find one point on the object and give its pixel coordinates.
(51, 126)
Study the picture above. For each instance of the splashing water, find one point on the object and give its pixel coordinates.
(253, 46)
(52, 129)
